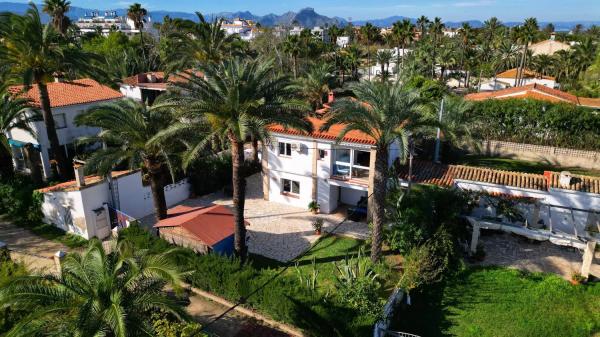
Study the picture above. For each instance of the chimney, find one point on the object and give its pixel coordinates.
(79, 173)
(565, 179)
(58, 77)
(553, 36)
(330, 97)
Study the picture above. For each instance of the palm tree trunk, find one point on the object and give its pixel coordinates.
(521, 65)
(6, 164)
(295, 60)
(255, 150)
(239, 197)
(379, 192)
(158, 189)
(369, 58)
(64, 170)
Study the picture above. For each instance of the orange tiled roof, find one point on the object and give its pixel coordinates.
(589, 102)
(142, 78)
(69, 93)
(512, 73)
(91, 180)
(534, 91)
(578, 182)
(444, 175)
(332, 134)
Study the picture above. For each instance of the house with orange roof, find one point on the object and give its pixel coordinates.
(146, 87)
(536, 91)
(93, 206)
(299, 168)
(506, 79)
(67, 100)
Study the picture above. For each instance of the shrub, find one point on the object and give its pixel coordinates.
(210, 174)
(19, 199)
(165, 327)
(8, 271)
(358, 286)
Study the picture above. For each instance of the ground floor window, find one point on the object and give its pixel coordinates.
(290, 186)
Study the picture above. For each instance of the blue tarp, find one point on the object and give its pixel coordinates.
(16, 143)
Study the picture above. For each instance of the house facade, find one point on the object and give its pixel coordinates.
(67, 100)
(299, 168)
(507, 79)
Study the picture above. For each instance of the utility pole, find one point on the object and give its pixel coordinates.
(436, 155)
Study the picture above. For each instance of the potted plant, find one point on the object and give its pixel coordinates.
(314, 207)
(577, 278)
(318, 226)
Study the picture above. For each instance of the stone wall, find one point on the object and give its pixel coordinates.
(546, 154)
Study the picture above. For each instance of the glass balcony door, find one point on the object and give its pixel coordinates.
(351, 164)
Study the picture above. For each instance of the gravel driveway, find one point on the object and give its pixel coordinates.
(277, 231)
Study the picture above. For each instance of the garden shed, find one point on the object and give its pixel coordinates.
(202, 229)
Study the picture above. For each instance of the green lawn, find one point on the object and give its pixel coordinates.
(498, 302)
(521, 165)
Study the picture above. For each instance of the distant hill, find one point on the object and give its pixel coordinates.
(306, 17)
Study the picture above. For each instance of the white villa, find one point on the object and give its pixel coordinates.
(343, 41)
(67, 100)
(246, 29)
(299, 168)
(320, 33)
(506, 79)
(109, 22)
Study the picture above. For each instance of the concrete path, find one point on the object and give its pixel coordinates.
(277, 231)
(503, 249)
(36, 252)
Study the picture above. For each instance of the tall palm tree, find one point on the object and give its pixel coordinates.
(404, 34)
(127, 128)
(333, 32)
(236, 99)
(57, 10)
(201, 43)
(527, 33)
(97, 294)
(369, 34)
(14, 114)
(436, 32)
(317, 83)
(383, 57)
(33, 53)
(422, 23)
(293, 47)
(465, 34)
(137, 14)
(387, 113)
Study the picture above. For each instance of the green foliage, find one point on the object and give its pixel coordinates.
(9, 270)
(501, 302)
(165, 327)
(218, 168)
(310, 280)
(536, 122)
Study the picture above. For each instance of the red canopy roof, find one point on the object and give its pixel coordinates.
(209, 224)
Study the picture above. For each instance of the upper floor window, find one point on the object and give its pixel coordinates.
(285, 149)
(322, 154)
(60, 121)
(362, 158)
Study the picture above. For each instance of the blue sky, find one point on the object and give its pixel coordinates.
(506, 10)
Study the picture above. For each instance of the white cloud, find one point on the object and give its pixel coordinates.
(480, 3)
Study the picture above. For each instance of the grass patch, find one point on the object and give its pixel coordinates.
(50, 232)
(522, 165)
(500, 302)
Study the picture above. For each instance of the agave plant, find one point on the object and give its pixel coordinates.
(354, 269)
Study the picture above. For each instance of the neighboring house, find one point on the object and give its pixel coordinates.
(548, 47)
(295, 31)
(557, 201)
(506, 79)
(246, 29)
(67, 100)
(110, 21)
(299, 167)
(202, 229)
(320, 33)
(391, 67)
(536, 91)
(90, 206)
(145, 86)
(343, 41)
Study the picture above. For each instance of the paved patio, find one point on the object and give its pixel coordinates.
(277, 231)
(503, 249)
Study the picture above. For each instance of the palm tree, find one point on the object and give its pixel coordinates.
(333, 32)
(369, 34)
(436, 29)
(384, 57)
(317, 83)
(352, 58)
(422, 23)
(527, 33)
(292, 46)
(137, 14)
(403, 32)
(201, 43)
(14, 114)
(57, 9)
(465, 34)
(388, 113)
(97, 294)
(33, 53)
(237, 99)
(127, 128)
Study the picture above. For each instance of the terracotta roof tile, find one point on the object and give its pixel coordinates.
(332, 134)
(589, 102)
(70, 93)
(209, 224)
(579, 183)
(512, 73)
(90, 180)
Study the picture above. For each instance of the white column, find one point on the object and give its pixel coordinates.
(45, 162)
(588, 258)
(59, 256)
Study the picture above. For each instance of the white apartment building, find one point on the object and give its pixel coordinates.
(343, 41)
(67, 100)
(246, 29)
(299, 168)
(108, 22)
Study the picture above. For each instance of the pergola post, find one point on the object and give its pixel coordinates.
(588, 258)
(475, 237)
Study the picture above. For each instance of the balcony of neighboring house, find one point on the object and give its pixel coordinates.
(351, 165)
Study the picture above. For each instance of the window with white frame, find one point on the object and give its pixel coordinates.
(350, 163)
(60, 121)
(290, 186)
(285, 149)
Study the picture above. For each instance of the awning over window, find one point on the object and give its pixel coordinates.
(16, 143)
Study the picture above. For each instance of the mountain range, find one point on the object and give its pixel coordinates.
(306, 17)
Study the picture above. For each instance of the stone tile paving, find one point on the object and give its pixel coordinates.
(504, 249)
(277, 231)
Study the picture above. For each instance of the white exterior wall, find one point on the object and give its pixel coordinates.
(131, 91)
(64, 210)
(561, 218)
